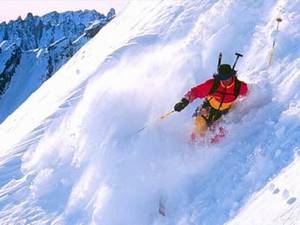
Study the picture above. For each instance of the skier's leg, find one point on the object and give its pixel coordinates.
(200, 128)
(200, 125)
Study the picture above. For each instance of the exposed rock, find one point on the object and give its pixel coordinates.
(41, 45)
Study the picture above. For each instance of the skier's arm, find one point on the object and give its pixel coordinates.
(200, 91)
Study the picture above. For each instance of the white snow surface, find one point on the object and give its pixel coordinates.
(276, 203)
(70, 154)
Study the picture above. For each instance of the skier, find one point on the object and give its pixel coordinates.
(220, 93)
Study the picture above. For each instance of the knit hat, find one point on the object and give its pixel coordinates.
(225, 72)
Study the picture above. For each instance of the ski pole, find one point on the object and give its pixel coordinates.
(219, 61)
(274, 42)
(238, 55)
(155, 121)
(166, 115)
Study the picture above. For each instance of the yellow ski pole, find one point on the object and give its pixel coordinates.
(166, 115)
(155, 121)
(274, 42)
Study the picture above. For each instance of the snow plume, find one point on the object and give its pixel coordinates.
(77, 158)
(107, 155)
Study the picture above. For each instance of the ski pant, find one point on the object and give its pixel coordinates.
(205, 116)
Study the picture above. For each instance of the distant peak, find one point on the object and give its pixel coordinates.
(111, 14)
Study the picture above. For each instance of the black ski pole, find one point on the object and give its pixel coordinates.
(219, 61)
(238, 55)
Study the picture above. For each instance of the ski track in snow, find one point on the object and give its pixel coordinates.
(71, 156)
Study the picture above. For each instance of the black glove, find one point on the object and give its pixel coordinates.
(181, 105)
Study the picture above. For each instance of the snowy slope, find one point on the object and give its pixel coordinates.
(71, 156)
(277, 203)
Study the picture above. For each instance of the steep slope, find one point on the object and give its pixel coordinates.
(277, 203)
(33, 49)
(73, 156)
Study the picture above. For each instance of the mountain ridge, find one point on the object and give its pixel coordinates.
(49, 41)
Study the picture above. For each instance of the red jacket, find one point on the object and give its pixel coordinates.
(222, 98)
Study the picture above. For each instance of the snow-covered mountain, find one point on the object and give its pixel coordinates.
(31, 50)
(72, 156)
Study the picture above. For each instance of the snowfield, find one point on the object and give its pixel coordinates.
(71, 155)
(276, 203)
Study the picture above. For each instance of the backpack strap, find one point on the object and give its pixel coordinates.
(215, 86)
(237, 87)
